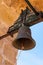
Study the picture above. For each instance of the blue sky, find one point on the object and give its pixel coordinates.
(34, 56)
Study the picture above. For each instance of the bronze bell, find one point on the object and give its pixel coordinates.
(24, 41)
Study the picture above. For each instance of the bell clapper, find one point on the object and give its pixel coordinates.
(22, 46)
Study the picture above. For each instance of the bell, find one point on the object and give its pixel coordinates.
(24, 41)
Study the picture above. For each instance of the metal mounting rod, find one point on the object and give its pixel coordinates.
(31, 7)
(8, 34)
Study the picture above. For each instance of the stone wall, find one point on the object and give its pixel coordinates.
(7, 52)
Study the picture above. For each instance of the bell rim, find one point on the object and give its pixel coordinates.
(33, 42)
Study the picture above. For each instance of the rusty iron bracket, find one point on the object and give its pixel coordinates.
(28, 21)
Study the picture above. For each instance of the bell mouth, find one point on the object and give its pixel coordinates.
(24, 44)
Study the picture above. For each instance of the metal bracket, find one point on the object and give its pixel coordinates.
(28, 21)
